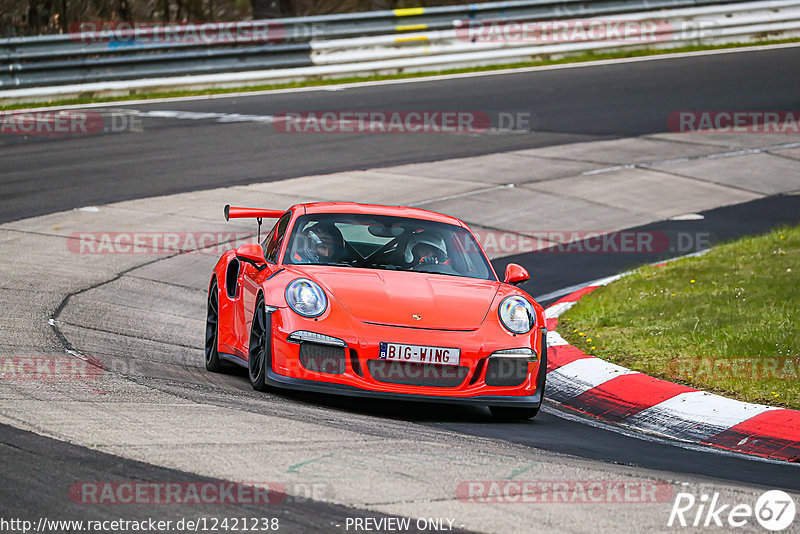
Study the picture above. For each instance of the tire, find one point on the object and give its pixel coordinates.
(213, 363)
(259, 347)
(504, 413)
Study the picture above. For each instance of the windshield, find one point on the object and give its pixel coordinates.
(384, 242)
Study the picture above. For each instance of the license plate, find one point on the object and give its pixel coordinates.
(399, 352)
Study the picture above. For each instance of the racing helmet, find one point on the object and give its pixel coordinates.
(323, 242)
(425, 247)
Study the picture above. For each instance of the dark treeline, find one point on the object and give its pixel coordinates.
(36, 17)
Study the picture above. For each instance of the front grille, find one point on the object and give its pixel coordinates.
(506, 371)
(322, 358)
(417, 374)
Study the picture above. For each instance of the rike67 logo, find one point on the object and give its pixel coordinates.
(774, 510)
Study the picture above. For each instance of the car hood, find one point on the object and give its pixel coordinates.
(395, 297)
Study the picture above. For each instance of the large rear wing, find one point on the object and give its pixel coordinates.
(232, 212)
(258, 214)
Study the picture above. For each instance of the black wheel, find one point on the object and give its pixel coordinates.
(259, 345)
(513, 414)
(213, 362)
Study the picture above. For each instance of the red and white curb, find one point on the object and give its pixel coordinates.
(637, 401)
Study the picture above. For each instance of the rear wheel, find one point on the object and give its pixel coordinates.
(213, 362)
(259, 345)
(513, 414)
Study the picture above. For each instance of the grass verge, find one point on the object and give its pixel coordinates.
(582, 58)
(727, 321)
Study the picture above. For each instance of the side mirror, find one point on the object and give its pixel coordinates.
(516, 274)
(253, 254)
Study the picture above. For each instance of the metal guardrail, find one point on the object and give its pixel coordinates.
(717, 23)
(303, 29)
(403, 39)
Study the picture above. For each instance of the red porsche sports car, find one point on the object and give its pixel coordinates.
(376, 301)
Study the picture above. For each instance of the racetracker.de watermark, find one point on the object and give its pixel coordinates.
(734, 121)
(383, 122)
(566, 31)
(205, 493)
(496, 242)
(136, 33)
(611, 30)
(564, 491)
(708, 368)
(65, 123)
(214, 243)
(49, 368)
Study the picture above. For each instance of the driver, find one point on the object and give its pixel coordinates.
(425, 247)
(323, 243)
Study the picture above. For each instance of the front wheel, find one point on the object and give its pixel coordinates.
(513, 414)
(259, 345)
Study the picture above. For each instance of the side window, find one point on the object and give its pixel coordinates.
(272, 244)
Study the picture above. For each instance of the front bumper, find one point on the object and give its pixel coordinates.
(529, 401)
(285, 371)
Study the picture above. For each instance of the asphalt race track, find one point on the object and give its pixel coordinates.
(46, 469)
(43, 175)
(178, 154)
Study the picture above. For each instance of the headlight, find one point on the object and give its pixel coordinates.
(516, 314)
(306, 298)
